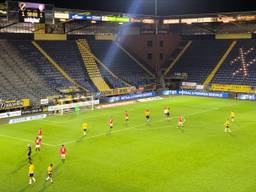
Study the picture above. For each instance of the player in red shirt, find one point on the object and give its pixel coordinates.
(181, 121)
(110, 123)
(63, 153)
(38, 142)
(126, 116)
(40, 134)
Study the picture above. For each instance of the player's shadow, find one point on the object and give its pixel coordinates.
(57, 167)
(23, 164)
(80, 139)
(24, 188)
(182, 130)
(47, 184)
(109, 133)
(231, 135)
(19, 167)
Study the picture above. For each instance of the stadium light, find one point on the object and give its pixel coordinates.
(113, 50)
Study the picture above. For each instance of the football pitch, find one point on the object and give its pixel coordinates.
(138, 156)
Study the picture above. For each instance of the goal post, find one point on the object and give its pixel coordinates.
(88, 103)
(92, 101)
(74, 105)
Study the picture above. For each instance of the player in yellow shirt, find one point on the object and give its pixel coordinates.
(167, 112)
(232, 116)
(31, 171)
(147, 114)
(227, 126)
(84, 128)
(49, 171)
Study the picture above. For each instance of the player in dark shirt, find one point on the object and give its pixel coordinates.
(29, 152)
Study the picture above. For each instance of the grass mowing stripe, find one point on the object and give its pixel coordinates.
(154, 157)
(102, 134)
(134, 127)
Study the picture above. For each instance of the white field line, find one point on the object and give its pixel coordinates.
(114, 131)
(25, 140)
(134, 127)
(73, 119)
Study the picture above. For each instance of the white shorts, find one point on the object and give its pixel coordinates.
(63, 156)
(40, 136)
(180, 123)
(37, 146)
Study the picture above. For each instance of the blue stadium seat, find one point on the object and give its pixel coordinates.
(67, 55)
(200, 59)
(225, 73)
(119, 62)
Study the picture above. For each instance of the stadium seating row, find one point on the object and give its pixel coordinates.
(99, 65)
(203, 55)
(18, 77)
(91, 66)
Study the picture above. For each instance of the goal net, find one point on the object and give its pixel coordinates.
(66, 105)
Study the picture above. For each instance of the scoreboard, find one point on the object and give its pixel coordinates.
(30, 12)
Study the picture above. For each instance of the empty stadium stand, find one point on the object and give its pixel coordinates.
(219, 64)
(40, 65)
(26, 73)
(175, 56)
(66, 54)
(114, 82)
(91, 66)
(19, 79)
(200, 59)
(240, 66)
(119, 62)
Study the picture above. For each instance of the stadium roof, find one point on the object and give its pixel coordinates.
(147, 7)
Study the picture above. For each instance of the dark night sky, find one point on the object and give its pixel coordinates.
(166, 7)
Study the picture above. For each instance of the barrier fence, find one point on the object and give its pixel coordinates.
(196, 93)
(233, 88)
(128, 97)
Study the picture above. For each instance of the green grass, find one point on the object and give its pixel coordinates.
(138, 157)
